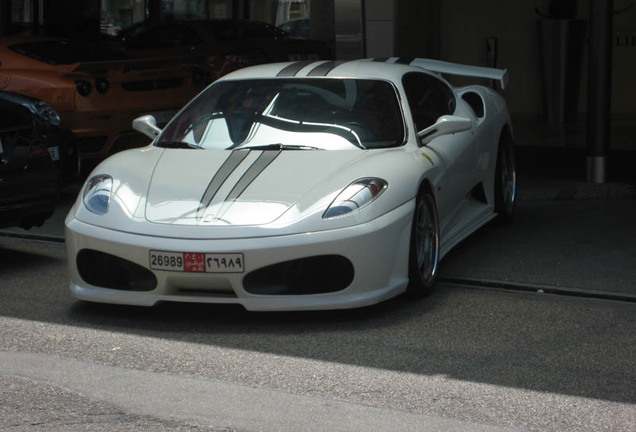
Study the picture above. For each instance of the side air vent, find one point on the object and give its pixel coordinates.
(479, 194)
(476, 103)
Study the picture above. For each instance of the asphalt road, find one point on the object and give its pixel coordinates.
(463, 359)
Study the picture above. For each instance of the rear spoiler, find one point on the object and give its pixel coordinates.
(443, 67)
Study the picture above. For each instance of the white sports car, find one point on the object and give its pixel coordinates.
(293, 186)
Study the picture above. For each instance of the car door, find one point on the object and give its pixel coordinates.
(430, 98)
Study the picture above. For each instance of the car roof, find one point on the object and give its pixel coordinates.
(360, 69)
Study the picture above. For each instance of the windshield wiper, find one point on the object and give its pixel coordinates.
(277, 146)
(176, 145)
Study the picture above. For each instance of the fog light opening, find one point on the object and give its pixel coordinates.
(312, 275)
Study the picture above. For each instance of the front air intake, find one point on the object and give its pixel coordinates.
(108, 271)
(313, 275)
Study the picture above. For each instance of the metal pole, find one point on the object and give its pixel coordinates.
(599, 89)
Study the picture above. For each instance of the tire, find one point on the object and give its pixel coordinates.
(424, 249)
(505, 179)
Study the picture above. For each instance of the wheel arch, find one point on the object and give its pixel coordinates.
(506, 129)
(425, 185)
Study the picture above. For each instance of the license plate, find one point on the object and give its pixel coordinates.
(193, 262)
(55, 153)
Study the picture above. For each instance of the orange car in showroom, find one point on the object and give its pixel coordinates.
(98, 92)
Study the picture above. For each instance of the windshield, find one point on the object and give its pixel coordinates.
(300, 113)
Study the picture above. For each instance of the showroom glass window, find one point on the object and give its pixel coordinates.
(116, 15)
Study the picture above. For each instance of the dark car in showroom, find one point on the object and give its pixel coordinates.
(59, 140)
(224, 44)
(30, 132)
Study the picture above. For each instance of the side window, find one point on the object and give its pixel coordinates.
(429, 98)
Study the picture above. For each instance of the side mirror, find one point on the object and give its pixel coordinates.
(147, 125)
(444, 125)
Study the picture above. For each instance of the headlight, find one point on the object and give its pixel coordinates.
(358, 194)
(97, 194)
(45, 111)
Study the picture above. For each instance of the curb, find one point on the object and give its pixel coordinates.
(537, 288)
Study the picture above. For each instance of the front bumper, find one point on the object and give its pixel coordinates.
(378, 251)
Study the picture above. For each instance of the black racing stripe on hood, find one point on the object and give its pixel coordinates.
(405, 60)
(292, 69)
(228, 167)
(325, 68)
(259, 165)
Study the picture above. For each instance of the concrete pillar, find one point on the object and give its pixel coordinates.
(380, 16)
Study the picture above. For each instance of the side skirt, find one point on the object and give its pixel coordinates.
(474, 215)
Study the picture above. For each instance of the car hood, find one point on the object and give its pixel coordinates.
(242, 187)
